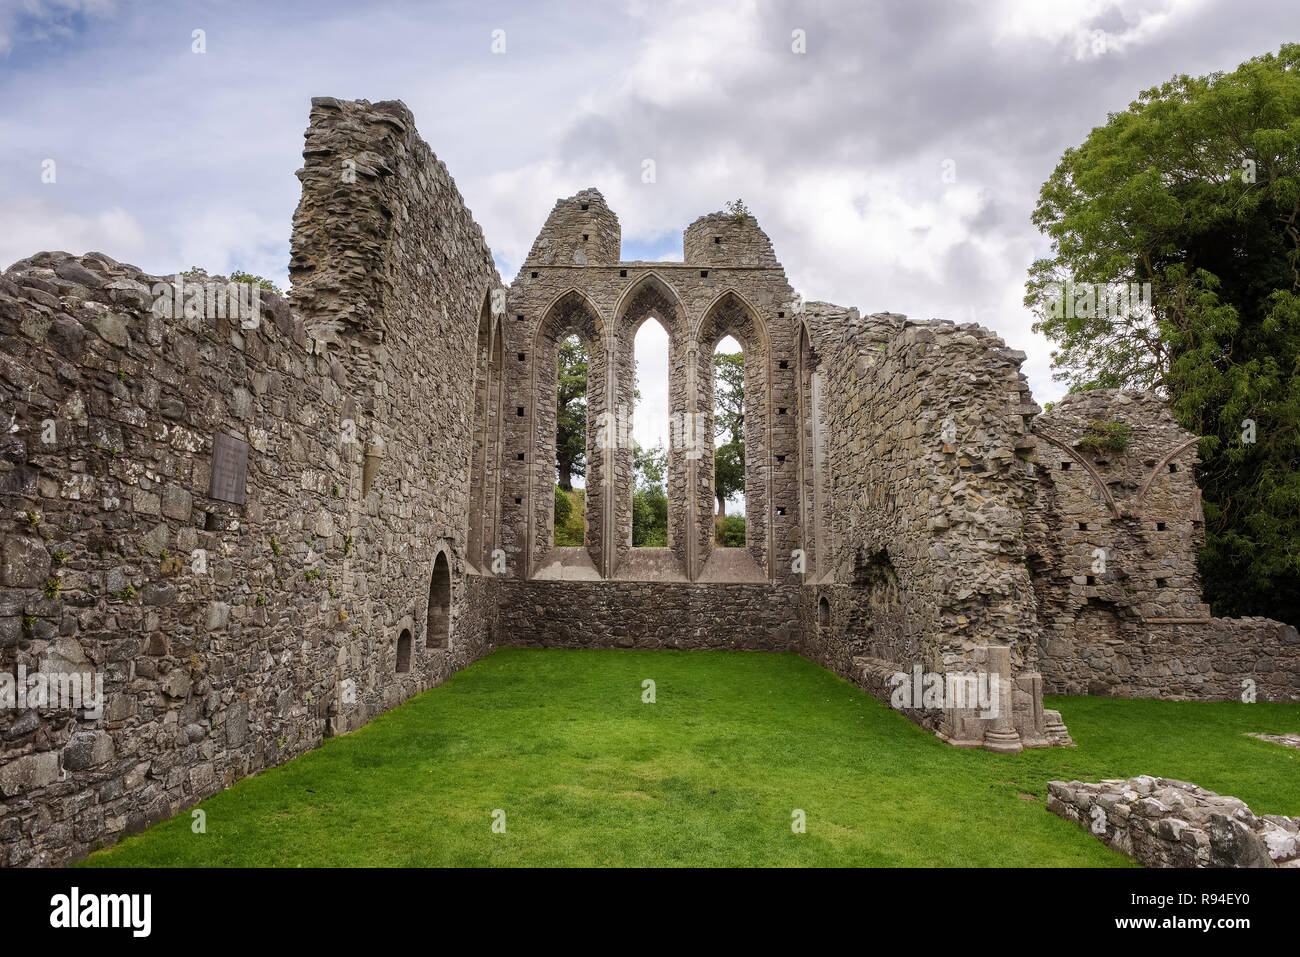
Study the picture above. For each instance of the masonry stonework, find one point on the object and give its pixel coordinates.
(1112, 542)
(260, 530)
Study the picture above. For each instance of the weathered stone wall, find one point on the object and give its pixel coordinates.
(725, 239)
(929, 459)
(1113, 538)
(929, 468)
(231, 636)
(676, 615)
(391, 274)
(581, 230)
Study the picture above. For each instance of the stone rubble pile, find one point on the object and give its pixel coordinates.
(1160, 822)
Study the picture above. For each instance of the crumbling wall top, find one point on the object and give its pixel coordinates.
(581, 231)
(375, 201)
(728, 239)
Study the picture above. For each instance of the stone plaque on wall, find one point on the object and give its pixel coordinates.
(229, 468)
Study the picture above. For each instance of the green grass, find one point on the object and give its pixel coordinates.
(587, 774)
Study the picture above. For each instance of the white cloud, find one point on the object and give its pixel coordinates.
(691, 51)
(33, 224)
(1090, 28)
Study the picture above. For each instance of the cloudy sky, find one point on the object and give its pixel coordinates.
(169, 158)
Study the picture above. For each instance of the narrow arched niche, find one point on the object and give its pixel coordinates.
(823, 614)
(404, 651)
(438, 631)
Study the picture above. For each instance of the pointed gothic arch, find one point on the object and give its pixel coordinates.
(437, 632)
(648, 297)
(731, 314)
(570, 313)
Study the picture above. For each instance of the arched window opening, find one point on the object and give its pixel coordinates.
(567, 464)
(569, 517)
(736, 400)
(729, 443)
(404, 651)
(439, 620)
(650, 436)
(877, 613)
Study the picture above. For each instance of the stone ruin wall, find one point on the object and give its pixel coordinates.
(947, 553)
(930, 470)
(212, 677)
(609, 594)
(1135, 626)
(1160, 822)
(392, 275)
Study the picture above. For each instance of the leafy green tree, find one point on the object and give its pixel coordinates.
(650, 518)
(649, 501)
(728, 426)
(728, 472)
(650, 465)
(729, 395)
(1195, 189)
(570, 520)
(571, 412)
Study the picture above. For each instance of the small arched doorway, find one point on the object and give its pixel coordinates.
(439, 621)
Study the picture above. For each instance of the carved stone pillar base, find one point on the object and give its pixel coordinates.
(1003, 741)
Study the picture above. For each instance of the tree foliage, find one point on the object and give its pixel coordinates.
(570, 517)
(728, 426)
(563, 507)
(571, 412)
(261, 281)
(650, 501)
(1195, 189)
(730, 531)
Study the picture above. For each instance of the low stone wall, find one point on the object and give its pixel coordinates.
(1216, 659)
(613, 614)
(1160, 822)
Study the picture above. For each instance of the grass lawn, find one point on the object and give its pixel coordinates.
(709, 775)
